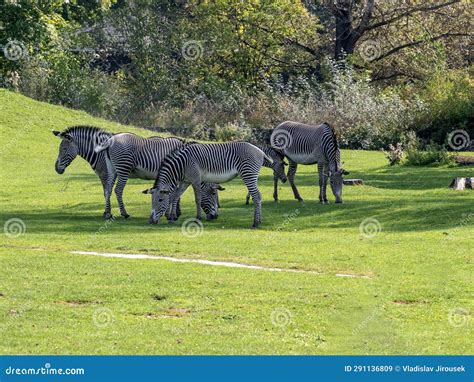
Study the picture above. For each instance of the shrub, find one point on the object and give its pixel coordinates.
(432, 155)
(394, 154)
(231, 132)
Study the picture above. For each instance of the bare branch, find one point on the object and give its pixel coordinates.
(415, 43)
(411, 12)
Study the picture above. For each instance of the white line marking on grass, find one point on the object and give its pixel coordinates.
(208, 262)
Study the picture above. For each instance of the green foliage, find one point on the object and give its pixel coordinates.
(450, 95)
(430, 155)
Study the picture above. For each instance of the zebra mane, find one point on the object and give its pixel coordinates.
(334, 139)
(173, 155)
(81, 128)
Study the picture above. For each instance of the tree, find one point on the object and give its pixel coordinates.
(396, 26)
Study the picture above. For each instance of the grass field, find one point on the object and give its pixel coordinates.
(416, 297)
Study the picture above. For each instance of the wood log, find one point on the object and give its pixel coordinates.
(462, 183)
(353, 182)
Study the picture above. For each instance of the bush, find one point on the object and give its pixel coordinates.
(431, 155)
(450, 99)
(231, 132)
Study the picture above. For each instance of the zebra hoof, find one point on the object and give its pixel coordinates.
(300, 200)
(125, 216)
(107, 215)
(171, 222)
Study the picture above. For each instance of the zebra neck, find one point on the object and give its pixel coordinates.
(334, 166)
(86, 151)
(85, 142)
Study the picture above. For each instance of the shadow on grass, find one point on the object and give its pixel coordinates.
(401, 216)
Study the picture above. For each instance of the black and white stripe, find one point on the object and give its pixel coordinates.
(213, 163)
(308, 144)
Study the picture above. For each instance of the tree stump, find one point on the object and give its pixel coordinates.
(353, 182)
(462, 183)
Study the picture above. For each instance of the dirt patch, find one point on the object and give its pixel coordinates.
(409, 302)
(158, 297)
(168, 313)
(79, 302)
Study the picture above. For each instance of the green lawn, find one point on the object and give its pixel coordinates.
(416, 298)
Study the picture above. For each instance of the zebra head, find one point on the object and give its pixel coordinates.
(210, 199)
(336, 181)
(68, 150)
(160, 202)
(278, 164)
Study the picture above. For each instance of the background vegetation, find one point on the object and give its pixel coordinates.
(226, 69)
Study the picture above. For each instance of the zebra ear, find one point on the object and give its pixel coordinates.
(149, 191)
(56, 133)
(218, 187)
(285, 163)
(66, 136)
(344, 172)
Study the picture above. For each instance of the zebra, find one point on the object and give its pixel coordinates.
(213, 162)
(80, 140)
(132, 156)
(309, 144)
(278, 167)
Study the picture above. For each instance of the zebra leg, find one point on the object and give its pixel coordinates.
(275, 188)
(291, 177)
(173, 216)
(247, 198)
(122, 181)
(323, 181)
(197, 199)
(251, 183)
(109, 184)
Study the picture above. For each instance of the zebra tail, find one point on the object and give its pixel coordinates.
(268, 158)
(103, 146)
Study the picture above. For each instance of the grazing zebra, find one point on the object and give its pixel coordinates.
(132, 156)
(214, 163)
(308, 144)
(278, 167)
(80, 140)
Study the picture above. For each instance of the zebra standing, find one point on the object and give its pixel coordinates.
(214, 163)
(278, 167)
(132, 156)
(80, 140)
(308, 144)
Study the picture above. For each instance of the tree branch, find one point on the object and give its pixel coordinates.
(409, 13)
(415, 43)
